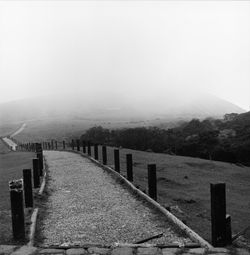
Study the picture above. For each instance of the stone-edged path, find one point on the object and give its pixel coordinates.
(25, 250)
(87, 205)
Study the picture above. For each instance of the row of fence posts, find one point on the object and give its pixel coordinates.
(21, 191)
(220, 221)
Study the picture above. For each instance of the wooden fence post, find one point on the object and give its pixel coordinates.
(40, 159)
(117, 160)
(104, 155)
(83, 146)
(152, 181)
(36, 173)
(78, 145)
(73, 144)
(89, 148)
(96, 151)
(56, 144)
(52, 145)
(17, 209)
(218, 214)
(27, 187)
(129, 167)
(64, 145)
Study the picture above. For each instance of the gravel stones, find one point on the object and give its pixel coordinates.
(87, 205)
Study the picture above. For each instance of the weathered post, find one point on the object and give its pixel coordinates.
(218, 214)
(52, 145)
(228, 229)
(89, 148)
(104, 155)
(56, 144)
(64, 145)
(152, 181)
(40, 160)
(73, 144)
(48, 145)
(78, 144)
(96, 151)
(36, 173)
(27, 186)
(129, 167)
(83, 146)
(117, 160)
(17, 209)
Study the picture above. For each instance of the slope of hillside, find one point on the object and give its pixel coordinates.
(167, 107)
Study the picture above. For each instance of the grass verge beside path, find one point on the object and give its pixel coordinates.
(184, 186)
(11, 167)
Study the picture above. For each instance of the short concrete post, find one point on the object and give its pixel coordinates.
(117, 160)
(17, 209)
(152, 181)
(104, 155)
(129, 167)
(218, 214)
(96, 151)
(36, 173)
(27, 185)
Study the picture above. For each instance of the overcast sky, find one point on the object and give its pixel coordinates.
(118, 48)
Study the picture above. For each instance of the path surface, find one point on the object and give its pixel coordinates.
(11, 144)
(87, 205)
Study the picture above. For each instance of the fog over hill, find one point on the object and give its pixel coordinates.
(102, 107)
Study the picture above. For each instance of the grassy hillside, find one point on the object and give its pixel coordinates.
(11, 167)
(184, 186)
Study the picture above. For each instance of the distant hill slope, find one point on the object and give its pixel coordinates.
(167, 107)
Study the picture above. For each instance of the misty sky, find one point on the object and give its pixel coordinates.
(125, 48)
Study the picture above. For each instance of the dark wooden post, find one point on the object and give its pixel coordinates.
(218, 214)
(129, 167)
(64, 145)
(96, 151)
(17, 209)
(152, 181)
(52, 145)
(40, 159)
(89, 148)
(228, 229)
(78, 144)
(56, 144)
(73, 144)
(104, 155)
(27, 186)
(49, 145)
(36, 173)
(83, 146)
(117, 160)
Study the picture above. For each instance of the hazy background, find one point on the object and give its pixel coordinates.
(125, 50)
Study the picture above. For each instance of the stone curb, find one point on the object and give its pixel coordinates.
(27, 250)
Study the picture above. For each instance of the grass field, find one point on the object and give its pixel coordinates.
(184, 186)
(11, 166)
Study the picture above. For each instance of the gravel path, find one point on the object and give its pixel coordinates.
(87, 205)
